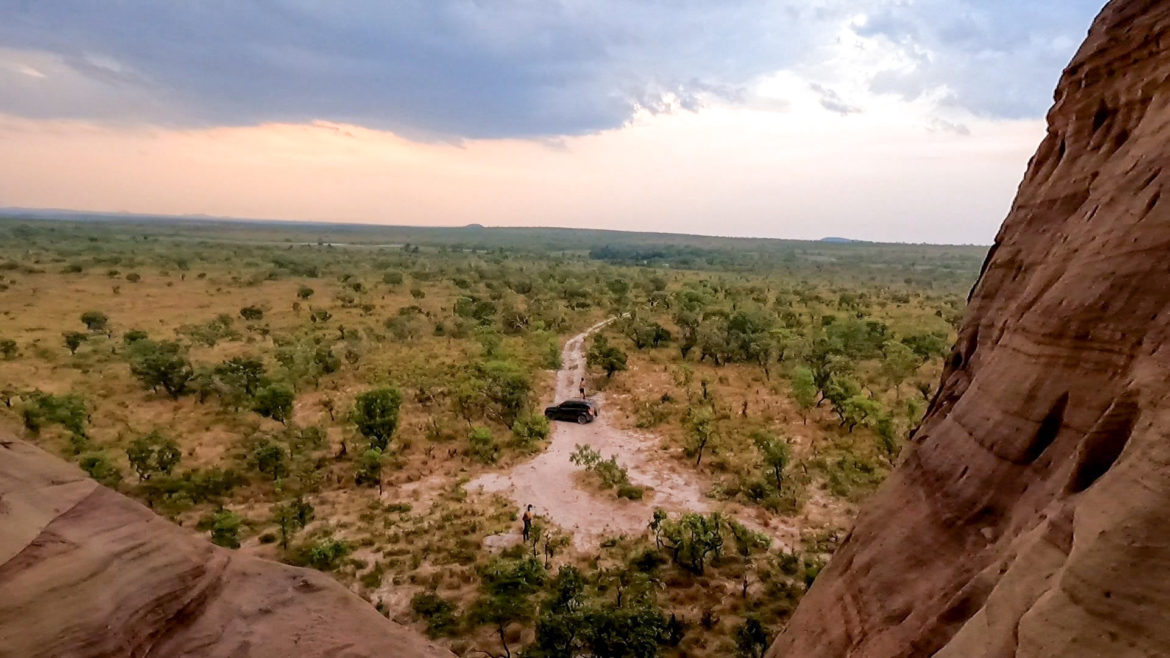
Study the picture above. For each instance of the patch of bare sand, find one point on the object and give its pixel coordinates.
(549, 481)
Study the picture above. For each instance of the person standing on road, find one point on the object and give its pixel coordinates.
(527, 519)
(582, 389)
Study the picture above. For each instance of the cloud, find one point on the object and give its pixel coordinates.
(453, 69)
(832, 101)
(994, 58)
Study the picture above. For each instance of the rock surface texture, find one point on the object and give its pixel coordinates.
(87, 572)
(1029, 516)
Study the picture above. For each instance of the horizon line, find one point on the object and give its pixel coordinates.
(13, 212)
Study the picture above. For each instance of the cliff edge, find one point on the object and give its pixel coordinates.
(1027, 518)
(87, 572)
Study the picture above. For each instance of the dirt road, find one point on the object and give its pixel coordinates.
(550, 481)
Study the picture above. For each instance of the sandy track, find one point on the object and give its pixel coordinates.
(549, 481)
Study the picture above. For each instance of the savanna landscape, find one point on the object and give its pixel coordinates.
(368, 401)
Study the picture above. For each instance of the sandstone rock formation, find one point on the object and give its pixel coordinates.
(1028, 518)
(87, 572)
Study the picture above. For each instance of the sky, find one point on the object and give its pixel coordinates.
(892, 120)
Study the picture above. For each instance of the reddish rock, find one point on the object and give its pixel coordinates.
(86, 572)
(1028, 517)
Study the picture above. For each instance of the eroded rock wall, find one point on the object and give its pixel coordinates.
(1029, 516)
(86, 572)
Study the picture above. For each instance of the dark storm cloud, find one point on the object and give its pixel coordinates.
(467, 68)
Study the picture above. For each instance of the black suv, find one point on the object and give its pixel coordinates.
(582, 411)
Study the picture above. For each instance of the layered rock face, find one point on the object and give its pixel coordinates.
(1029, 516)
(87, 572)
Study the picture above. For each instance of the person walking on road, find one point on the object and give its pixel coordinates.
(527, 519)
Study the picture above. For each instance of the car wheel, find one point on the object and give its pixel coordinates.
(582, 419)
(549, 415)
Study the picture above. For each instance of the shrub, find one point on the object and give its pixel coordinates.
(369, 469)
(274, 401)
(437, 612)
(211, 332)
(530, 429)
(99, 467)
(73, 340)
(252, 313)
(8, 349)
(152, 454)
(324, 555)
(291, 516)
(133, 336)
(751, 638)
(609, 472)
(630, 492)
(68, 411)
(225, 529)
(304, 292)
(482, 445)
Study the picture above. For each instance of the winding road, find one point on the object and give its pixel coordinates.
(551, 484)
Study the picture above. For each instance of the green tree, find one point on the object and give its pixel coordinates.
(161, 365)
(605, 356)
(886, 432)
(775, 454)
(693, 539)
(225, 529)
(271, 459)
(898, 363)
(860, 410)
(95, 320)
(73, 340)
(700, 433)
(369, 469)
(688, 328)
(274, 401)
(153, 453)
(507, 587)
(751, 638)
(506, 388)
(633, 630)
(928, 345)
(291, 516)
(375, 413)
(241, 374)
(804, 390)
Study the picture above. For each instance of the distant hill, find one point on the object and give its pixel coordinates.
(468, 236)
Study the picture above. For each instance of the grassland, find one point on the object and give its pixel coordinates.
(321, 394)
